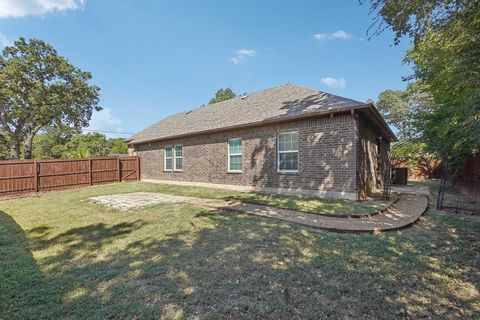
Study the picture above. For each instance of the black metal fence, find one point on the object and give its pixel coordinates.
(460, 193)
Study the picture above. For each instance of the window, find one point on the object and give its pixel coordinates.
(168, 158)
(178, 158)
(235, 155)
(288, 151)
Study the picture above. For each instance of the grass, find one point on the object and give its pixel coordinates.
(431, 184)
(62, 257)
(313, 205)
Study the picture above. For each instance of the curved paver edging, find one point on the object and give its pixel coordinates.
(407, 210)
(411, 223)
(332, 215)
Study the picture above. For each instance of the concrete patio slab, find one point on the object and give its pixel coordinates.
(132, 201)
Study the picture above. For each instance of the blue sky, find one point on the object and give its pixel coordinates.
(155, 58)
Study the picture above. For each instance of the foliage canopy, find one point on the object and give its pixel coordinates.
(445, 55)
(222, 95)
(40, 89)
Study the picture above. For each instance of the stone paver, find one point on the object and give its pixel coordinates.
(402, 214)
(132, 201)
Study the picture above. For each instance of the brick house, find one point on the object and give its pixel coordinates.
(288, 139)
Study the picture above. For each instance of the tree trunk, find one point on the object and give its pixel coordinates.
(28, 146)
(15, 150)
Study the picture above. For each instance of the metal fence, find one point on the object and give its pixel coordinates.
(23, 176)
(460, 193)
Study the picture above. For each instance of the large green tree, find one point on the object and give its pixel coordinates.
(65, 142)
(222, 95)
(117, 146)
(39, 89)
(445, 53)
(52, 143)
(87, 145)
(402, 109)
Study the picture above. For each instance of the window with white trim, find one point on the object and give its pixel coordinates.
(287, 148)
(178, 158)
(168, 159)
(235, 155)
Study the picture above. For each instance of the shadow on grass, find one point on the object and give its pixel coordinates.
(230, 266)
(22, 284)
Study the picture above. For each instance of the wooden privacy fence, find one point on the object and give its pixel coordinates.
(20, 176)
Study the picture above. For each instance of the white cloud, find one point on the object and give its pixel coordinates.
(320, 36)
(242, 54)
(22, 8)
(339, 83)
(104, 120)
(4, 42)
(340, 34)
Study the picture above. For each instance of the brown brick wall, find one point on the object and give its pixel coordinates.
(326, 156)
(372, 157)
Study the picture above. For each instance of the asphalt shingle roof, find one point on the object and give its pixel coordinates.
(279, 103)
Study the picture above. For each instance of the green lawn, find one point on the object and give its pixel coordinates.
(62, 257)
(314, 205)
(431, 184)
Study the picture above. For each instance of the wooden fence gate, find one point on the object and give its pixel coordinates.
(22, 176)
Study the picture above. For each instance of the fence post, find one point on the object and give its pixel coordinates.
(119, 170)
(90, 182)
(443, 181)
(35, 175)
(138, 167)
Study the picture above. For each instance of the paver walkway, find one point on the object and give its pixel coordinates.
(403, 213)
(406, 211)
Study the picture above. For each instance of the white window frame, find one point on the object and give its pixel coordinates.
(165, 158)
(175, 158)
(289, 151)
(234, 154)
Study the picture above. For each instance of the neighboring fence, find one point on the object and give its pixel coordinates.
(425, 168)
(21, 176)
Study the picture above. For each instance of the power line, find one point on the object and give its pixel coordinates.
(105, 131)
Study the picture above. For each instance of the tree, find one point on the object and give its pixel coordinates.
(117, 146)
(87, 145)
(415, 18)
(51, 144)
(449, 63)
(401, 109)
(444, 55)
(39, 89)
(65, 142)
(222, 95)
(395, 108)
(4, 154)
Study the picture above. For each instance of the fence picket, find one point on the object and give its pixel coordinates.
(23, 176)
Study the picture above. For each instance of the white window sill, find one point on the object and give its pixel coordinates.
(234, 171)
(287, 171)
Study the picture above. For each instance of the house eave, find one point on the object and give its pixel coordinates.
(253, 124)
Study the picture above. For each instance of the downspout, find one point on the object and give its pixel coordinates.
(355, 146)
